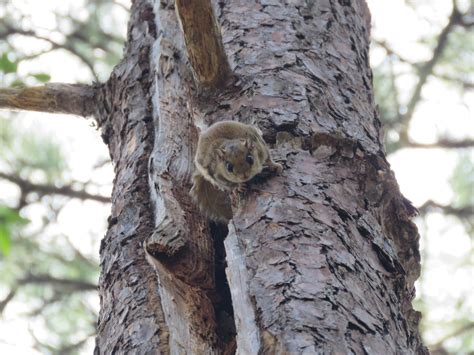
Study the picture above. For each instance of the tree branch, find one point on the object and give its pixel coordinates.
(7, 299)
(77, 285)
(461, 212)
(442, 143)
(427, 69)
(466, 84)
(396, 95)
(11, 30)
(392, 52)
(76, 99)
(456, 333)
(43, 189)
(203, 42)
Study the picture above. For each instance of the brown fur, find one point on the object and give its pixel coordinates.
(227, 143)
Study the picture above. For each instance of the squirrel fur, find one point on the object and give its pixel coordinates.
(229, 154)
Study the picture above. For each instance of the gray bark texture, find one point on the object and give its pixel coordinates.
(321, 259)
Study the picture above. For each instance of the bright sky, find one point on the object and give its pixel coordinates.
(422, 174)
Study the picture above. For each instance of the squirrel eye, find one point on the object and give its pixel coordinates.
(249, 159)
(229, 167)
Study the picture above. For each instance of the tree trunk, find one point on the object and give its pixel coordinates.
(321, 259)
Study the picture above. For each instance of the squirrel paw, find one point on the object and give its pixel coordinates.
(241, 188)
(276, 168)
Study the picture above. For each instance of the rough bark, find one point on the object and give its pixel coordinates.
(131, 318)
(76, 99)
(326, 253)
(321, 259)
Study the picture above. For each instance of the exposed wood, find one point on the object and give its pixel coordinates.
(180, 244)
(147, 125)
(248, 332)
(203, 42)
(75, 99)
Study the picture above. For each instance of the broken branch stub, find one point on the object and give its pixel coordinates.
(76, 99)
(203, 43)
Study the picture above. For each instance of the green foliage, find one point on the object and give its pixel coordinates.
(462, 181)
(42, 77)
(395, 80)
(7, 65)
(9, 221)
(31, 153)
(386, 93)
(388, 105)
(8, 71)
(91, 35)
(67, 315)
(457, 61)
(65, 312)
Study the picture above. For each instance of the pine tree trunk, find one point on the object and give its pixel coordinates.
(321, 259)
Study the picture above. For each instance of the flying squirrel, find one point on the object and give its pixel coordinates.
(229, 154)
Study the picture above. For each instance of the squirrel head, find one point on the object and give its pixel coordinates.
(238, 160)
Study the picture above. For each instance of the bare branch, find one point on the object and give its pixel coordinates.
(36, 55)
(427, 69)
(461, 212)
(102, 163)
(76, 285)
(43, 189)
(57, 296)
(203, 42)
(392, 52)
(396, 94)
(442, 143)
(436, 346)
(76, 99)
(11, 30)
(466, 85)
(7, 299)
(73, 347)
(122, 6)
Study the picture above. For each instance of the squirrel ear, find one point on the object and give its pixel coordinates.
(248, 143)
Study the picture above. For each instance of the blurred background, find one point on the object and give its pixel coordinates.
(56, 176)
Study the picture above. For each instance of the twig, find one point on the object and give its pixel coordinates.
(455, 333)
(76, 285)
(442, 143)
(467, 85)
(7, 299)
(54, 45)
(392, 52)
(461, 212)
(427, 69)
(43, 189)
